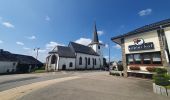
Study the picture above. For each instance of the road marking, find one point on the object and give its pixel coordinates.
(18, 92)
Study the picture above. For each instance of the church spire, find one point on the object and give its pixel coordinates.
(95, 35)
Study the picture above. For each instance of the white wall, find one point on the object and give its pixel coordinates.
(7, 65)
(66, 61)
(84, 63)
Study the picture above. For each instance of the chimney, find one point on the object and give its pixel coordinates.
(1, 51)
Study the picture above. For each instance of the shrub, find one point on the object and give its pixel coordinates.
(161, 71)
(134, 68)
(162, 79)
(150, 69)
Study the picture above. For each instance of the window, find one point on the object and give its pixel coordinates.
(137, 58)
(88, 61)
(152, 58)
(95, 61)
(130, 59)
(156, 58)
(146, 59)
(98, 47)
(71, 64)
(53, 59)
(80, 61)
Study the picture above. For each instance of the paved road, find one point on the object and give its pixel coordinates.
(97, 86)
(89, 86)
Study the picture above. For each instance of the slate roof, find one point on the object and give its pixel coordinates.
(79, 48)
(24, 59)
(146, 28)
(21, 59)
(63, 51)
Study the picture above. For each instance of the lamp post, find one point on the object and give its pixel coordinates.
(36, 49)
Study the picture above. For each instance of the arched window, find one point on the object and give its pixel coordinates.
(53, 59)
(95, 61)
(88, 61)
(80, 61)
(71, 64)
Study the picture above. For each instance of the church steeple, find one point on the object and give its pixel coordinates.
(95, 35)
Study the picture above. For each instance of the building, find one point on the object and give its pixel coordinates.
(76, 56)
(16, 63)
(145, 47)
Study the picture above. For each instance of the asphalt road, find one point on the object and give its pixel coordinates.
(95, 85)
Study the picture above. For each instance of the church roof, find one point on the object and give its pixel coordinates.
(79, 48)
(63, 51)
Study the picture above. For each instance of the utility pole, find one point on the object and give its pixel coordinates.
(36, 49)
(109, 58)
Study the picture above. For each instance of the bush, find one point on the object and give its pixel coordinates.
(161, 71)
(134, 68)
(151, 69)
(120, 67)
(161, 77)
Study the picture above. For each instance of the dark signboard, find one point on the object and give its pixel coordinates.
(144, 46)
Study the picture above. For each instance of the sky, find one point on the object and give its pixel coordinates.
(29, 24)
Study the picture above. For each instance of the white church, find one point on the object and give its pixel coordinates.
(76, 56)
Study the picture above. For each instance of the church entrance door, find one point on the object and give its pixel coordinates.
(64, 67)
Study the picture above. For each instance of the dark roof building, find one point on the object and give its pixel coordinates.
(21, 59)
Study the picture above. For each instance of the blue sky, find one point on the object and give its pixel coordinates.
(27, 24)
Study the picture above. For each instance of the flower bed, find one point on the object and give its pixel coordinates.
(134, 68)
(150, 69)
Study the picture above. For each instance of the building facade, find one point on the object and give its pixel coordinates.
(76, 56)
(16, 63)
(145, 48)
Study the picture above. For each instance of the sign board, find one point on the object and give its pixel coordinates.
(139, 44)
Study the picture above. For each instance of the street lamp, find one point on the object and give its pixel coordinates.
(36, 49)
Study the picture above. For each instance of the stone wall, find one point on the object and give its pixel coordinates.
(124, 57)
(161, 36)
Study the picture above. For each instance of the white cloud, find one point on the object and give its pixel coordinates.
(19, 43)
(8, 25)
(145, 12)
(84, 41)
(47, 18)
(25, 48)
(32, 37)
(1, 41)
(106, 45)
(52, 44)
(100, 33)
(117, 46)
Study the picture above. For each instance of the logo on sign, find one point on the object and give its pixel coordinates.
(139, 44)
(138, 41)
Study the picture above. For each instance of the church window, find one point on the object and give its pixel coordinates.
(95, 61)
(71, 64)
(98, 47)
(53, 59)
(80, 61)
(88, 61)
